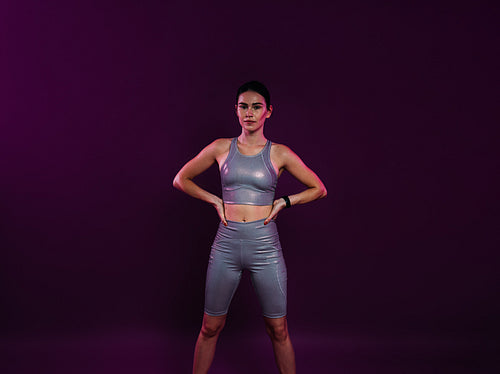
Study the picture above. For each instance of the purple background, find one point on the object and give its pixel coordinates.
(391, 105)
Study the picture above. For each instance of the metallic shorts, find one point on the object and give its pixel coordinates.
(252, 246)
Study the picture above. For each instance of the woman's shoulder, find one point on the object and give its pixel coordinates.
(280, 149)
(220, 145)
(222, 142)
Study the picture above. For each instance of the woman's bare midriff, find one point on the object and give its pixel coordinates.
(246, 213)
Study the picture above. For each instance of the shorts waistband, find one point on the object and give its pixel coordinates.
(247, 223)
(247, 230)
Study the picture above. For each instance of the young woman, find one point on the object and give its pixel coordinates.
(247, 238)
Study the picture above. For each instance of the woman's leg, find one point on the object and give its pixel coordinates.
(223, 277)
(269, 277)
(207, 340)
(277, 330)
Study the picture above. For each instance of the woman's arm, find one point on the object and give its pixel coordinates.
(184, 178)
(295, 166)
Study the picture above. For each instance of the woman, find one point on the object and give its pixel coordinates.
(250, 166)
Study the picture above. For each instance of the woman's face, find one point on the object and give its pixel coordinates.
(252, 111)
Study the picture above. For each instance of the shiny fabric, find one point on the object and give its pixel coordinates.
(249, 180)
(252, 246)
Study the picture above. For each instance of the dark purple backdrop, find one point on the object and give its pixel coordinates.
(391, 105)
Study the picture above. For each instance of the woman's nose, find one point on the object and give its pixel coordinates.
(249, 112)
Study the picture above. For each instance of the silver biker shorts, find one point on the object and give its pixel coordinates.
(252, 246)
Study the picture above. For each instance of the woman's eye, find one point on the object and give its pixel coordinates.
(257, 107)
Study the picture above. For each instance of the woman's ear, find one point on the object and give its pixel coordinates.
(269, 111)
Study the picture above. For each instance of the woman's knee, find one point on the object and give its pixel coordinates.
(212, 325)
(277, 328)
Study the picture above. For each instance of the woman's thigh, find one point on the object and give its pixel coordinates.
(269, 278)
(223, 277)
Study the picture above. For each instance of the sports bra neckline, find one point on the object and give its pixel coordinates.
(235, 140)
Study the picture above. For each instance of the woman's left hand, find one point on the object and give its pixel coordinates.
(277, 206)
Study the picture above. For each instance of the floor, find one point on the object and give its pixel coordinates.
(153, 352)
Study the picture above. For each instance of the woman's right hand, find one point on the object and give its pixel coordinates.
(219, 206)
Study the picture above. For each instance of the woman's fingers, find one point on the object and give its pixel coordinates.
(273, 214)
(222, 218)
(277, 206)
(270, 217)
(220, 211)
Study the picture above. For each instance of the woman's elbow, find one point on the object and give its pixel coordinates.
(323, 192)
(177, 182)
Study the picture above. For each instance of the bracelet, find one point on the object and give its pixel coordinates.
(287, 201)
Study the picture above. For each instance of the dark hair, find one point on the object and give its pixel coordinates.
(258, 87)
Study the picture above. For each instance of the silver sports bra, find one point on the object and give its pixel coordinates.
(248, 180)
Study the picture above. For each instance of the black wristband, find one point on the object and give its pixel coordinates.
(287, 201)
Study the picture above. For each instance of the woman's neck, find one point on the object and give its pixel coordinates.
(252, 138)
